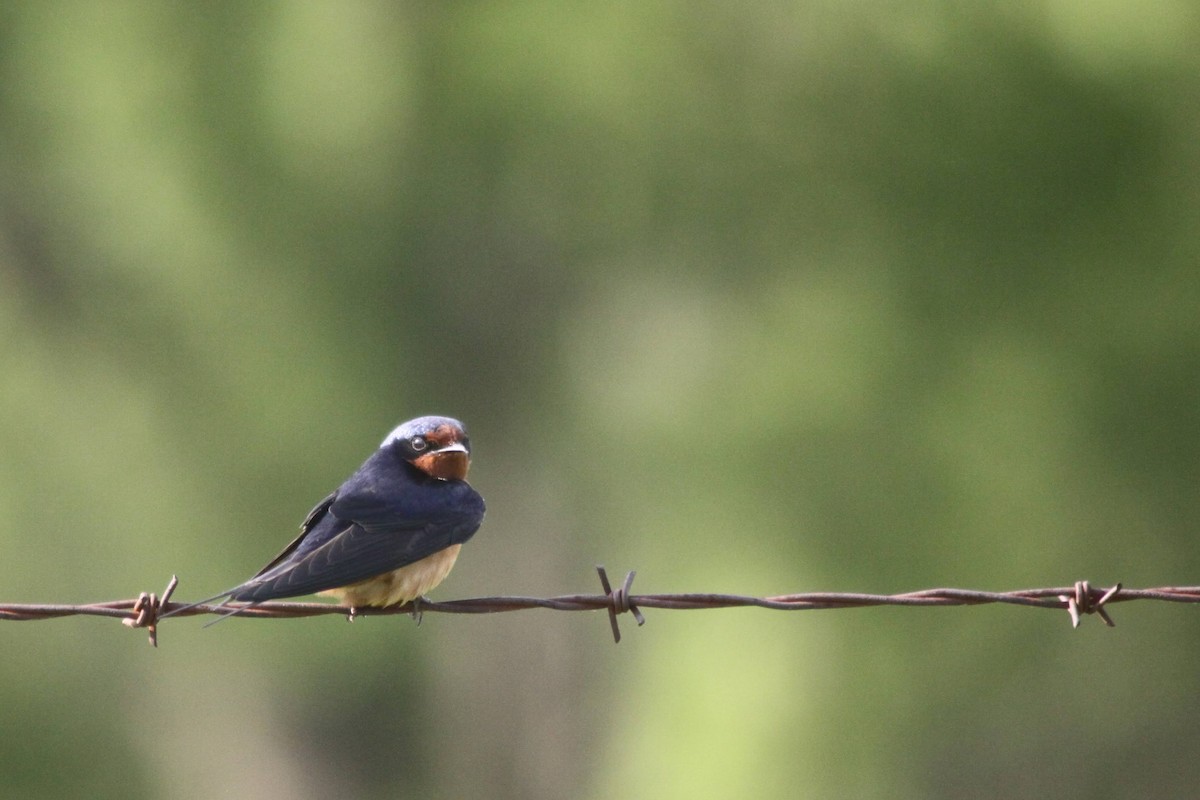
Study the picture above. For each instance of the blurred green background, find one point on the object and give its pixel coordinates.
(752, 298)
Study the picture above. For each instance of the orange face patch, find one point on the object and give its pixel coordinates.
(446, 466)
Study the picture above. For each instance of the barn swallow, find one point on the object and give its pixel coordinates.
(390, 533)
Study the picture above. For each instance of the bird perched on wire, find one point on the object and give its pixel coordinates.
(389, 534)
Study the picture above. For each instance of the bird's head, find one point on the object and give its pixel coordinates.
(438, 446)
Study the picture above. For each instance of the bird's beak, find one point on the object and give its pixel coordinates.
(455, 447)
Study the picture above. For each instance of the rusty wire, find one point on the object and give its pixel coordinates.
(145, 611)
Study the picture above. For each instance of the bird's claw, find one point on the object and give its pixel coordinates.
(415, 612)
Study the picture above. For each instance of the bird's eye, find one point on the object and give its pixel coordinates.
(418, 443)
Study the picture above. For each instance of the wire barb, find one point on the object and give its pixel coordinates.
(147, 608)
(619, 602)
(1081, 603)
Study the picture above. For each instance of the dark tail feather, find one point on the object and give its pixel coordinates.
(227, 594)
(232, 612)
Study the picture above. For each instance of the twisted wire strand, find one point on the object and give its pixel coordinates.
(1079, 599)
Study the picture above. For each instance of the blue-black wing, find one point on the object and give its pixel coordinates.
(352, 536)
(352, 554)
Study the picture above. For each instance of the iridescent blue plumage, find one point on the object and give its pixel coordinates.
(390, 532)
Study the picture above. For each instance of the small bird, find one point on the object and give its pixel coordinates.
(390, 533)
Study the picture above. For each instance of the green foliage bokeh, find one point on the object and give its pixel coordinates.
(755, 299)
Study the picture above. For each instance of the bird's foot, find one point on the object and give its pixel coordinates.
(416, 612)
(352, 614)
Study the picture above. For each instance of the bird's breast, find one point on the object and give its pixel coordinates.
(400, 585)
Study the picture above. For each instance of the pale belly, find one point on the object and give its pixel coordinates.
(401, 585)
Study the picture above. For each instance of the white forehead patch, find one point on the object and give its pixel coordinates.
(420, 426)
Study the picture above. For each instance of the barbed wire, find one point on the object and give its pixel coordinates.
(147, 609)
